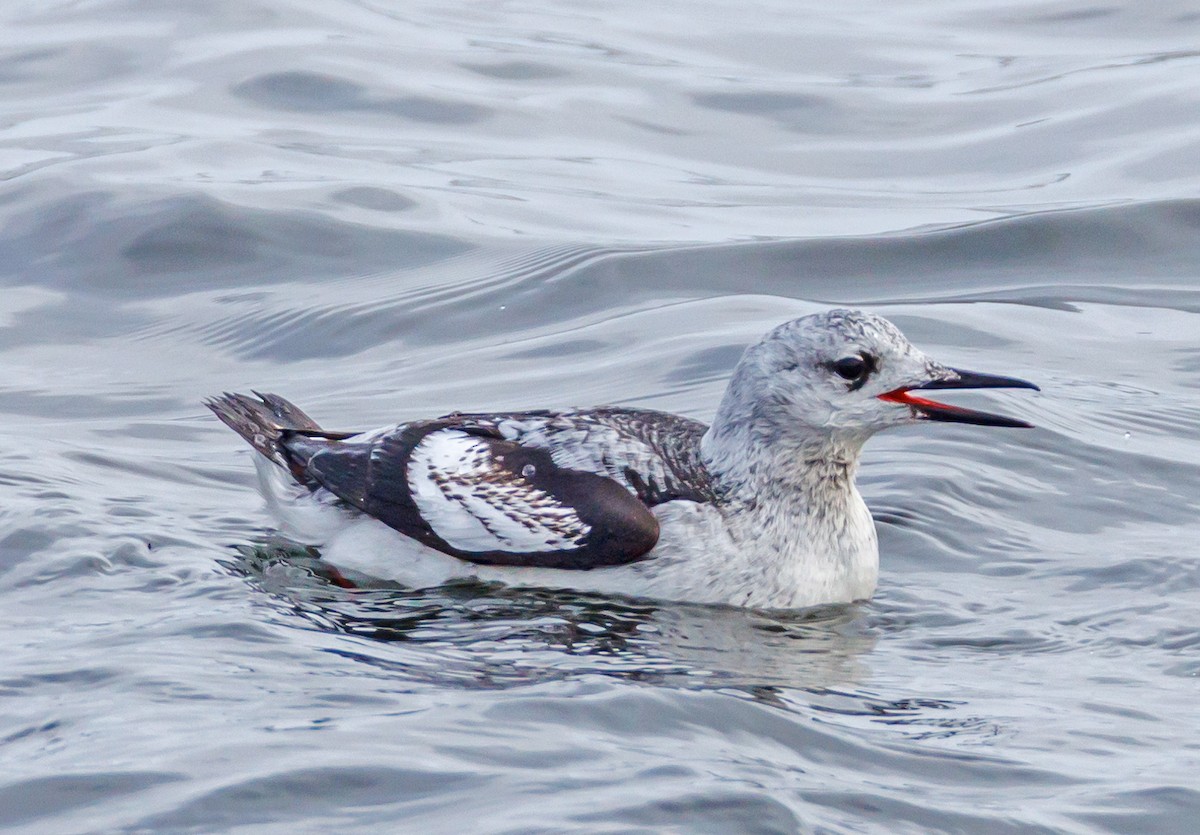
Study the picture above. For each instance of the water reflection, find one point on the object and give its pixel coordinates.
(522, 636)
(812, 663)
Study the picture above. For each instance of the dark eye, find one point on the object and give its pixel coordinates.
(851, 368)
(855, 369)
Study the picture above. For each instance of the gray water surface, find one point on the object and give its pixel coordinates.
(389, 211)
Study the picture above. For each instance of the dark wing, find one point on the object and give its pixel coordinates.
(463, 489)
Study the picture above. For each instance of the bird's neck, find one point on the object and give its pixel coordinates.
(747, 460)
(796, 520)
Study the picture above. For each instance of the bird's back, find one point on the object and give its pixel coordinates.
(655, 455)
(552, 489)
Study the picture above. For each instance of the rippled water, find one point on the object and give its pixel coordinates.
(387, 211)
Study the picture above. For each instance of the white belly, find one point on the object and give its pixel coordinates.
(698, 557)
(677, 568)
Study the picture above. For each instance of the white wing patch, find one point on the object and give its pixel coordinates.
(591, 447)
(474, 504)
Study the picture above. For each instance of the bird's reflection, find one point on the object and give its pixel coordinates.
(474, 635)
(549, 633)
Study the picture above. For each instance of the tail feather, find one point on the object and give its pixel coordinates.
(264, 423)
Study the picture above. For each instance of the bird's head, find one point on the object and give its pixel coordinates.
(845, 374)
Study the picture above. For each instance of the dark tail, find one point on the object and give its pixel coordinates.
(264, 422)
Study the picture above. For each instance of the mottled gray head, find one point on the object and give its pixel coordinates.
(842, 374)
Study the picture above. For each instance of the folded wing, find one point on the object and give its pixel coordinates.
(465, 490)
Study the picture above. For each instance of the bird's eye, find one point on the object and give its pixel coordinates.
(851, 368)
(855, 369)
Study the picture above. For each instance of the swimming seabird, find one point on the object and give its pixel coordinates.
(759, 509)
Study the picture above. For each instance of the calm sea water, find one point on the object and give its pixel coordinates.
(387, 211)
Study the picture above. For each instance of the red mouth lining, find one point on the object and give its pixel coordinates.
(907, 398)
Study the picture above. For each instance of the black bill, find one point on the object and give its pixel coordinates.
(932, 410)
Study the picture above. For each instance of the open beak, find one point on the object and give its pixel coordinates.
(932, 410)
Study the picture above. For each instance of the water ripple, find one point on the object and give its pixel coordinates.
(396, 210)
